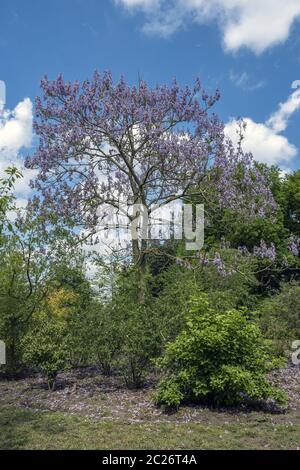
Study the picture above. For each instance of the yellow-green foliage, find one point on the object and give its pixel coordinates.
(219, 358)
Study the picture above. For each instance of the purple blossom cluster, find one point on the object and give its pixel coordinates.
(294, 245)
(217, 261)
(265, 251)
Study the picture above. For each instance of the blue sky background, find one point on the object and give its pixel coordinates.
(75, 37)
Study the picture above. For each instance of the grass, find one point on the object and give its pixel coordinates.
(40, 430)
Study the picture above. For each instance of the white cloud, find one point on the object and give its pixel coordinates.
(15, 134)
(16, 129)
(279, 120)
(244, 81)
(255, 24)
(264, 140)
(145, 4)
(295, 84)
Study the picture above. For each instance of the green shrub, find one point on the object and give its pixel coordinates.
(219, 358)
(136, 334)
(100, 337)
(45, 347)
(280, 317)
(139, 344)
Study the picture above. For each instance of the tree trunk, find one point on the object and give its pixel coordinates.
(139, 258)
(51, 379)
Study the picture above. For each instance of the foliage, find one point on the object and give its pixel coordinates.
(32, 280)
(71, 299)
(102, 336)
(219, 358)
(178, 284)
(94, 336)
(139, 333)
(6, 195)
(280, 317)
(45, 347)
(273, 239)
(23, 273)
(291, 202)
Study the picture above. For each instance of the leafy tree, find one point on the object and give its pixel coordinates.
(23, 285)
(102, 144)
(29, 262)
(219, 358)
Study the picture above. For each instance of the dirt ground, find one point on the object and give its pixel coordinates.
(87, 393)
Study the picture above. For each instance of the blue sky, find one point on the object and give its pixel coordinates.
(253, 66)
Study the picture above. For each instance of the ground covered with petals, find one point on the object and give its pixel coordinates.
(89, 411)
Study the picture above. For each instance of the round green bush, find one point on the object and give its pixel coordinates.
(218, 358)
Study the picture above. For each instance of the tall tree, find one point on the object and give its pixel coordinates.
(102, 144)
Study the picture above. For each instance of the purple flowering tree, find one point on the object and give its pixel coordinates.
(102, 143)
